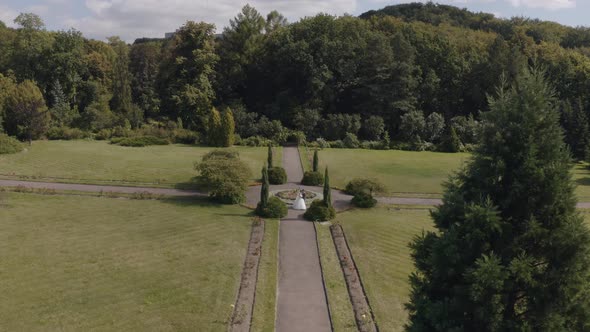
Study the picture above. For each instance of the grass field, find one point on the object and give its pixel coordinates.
(406, 173)
(338, 298)
(378, 239)
(263, 319)
(98, 162)
(72, 263)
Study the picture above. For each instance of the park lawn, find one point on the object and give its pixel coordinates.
(70, 263)
(338, 299)
(263, 318)
(98, 162)
(408, 173)
(378, 239)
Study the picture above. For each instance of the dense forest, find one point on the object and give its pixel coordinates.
(414, 76)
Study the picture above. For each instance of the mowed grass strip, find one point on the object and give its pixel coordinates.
(85, 263)
(378, 239)
(98, 162)
(266, 288)
(338, 298)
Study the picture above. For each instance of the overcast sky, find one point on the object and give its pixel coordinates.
(132, 19)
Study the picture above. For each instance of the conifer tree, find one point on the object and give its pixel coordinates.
(575, 124)
(327, 191)
(315, 161)
(214, 128)
(228, 129)
(270, 162)
(264, 188)
(510, 252)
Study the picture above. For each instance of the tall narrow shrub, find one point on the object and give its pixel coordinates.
(510, 252)
(264, 188)
(214, 137)
(270, 161)
(327, 191)
(228, 128)
(315, 161)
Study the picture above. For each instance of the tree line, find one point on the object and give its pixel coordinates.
(419, 74)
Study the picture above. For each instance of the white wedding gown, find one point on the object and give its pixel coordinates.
(299, 203)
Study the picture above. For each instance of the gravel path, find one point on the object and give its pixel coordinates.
(301, 300)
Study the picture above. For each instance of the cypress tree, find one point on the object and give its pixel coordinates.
(264, 188)
(270, 162)
(214, 136)
(510, 252)
(228, 128)
(327, 191)
(315, 161)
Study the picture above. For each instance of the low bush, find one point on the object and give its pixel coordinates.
(277, 175)
(9, 145)
(351, 141)
(372, 145)
(368, 186)
(322, 143)
(318, 211)
(275, 208)
(312, 179)
(103, 134)
(364, 200)
(255, 141)
(337, 144)
(66, 133)
(139, 141)
(185, 136)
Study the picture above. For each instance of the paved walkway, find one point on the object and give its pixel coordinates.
(301, 301)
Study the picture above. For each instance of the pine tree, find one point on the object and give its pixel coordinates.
(270, 162)
(327, 191)
(214, 128)
(451, 143)
(264, 188)
(228, 128)
(510, 252)
(575, 124)
(315, 161)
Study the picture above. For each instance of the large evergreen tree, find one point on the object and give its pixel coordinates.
(510, 252)
(575, 124)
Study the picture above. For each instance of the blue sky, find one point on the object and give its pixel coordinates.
(131, 19)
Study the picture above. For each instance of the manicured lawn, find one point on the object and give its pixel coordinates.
(71, 263)
(406, 173)
(98, 162)
(378, 239)
(338, 298)
(266, 287)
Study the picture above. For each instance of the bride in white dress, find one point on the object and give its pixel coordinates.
(299, 202)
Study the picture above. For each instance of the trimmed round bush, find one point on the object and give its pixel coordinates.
(9, 144)
(364, 200)
(274, 209)
(312, 179)
(367, 186)
(277, 175)
(318, 211)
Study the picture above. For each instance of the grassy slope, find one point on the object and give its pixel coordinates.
(84, 263)
(379, 240)
(338, 299)
(407, 173)
(266, 288)
(98, 162)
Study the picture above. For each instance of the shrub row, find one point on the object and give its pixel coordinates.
(67, 133)
(139, 141)
(9, 145)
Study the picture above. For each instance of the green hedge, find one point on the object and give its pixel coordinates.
(312, 179)
(318, 211)
(274, 209)
(139, 141)
(277, 175)
(9, 145)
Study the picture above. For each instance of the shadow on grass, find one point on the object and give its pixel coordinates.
(192, 184)
(583, 182)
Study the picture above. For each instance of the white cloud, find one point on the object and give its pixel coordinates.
(132, 19)
(7, 15)
(545, 4)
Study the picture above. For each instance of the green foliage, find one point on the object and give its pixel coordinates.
(412, 125)
(316, 162)
(434, 126)
(228, 128)
(577, 134)
(319, 211)
(510, 251)
(373, 127)
(312, 179)
(451, 142)
(214, 130)
(264, 189)
(364, 200)
(369, 186)
(327, 190)
(139, 141)
(255, 141)
(277, 175)
(269, 158)
(275, 208)
(66, 133)
(9, 145)
(351, 141)
(26, 113)
(337, 126)
(224, 175)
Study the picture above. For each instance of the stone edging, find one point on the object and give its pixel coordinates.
(241, 317)
(322, 274)
(356, 291)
